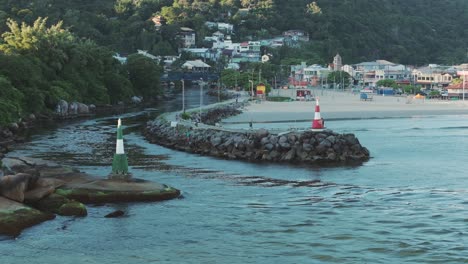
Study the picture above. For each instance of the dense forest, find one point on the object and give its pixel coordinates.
(57, 49)
(409, 32)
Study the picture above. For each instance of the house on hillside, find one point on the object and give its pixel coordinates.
(196, 66)
(158, 21)
(187, 37)
(294, 38)
(148, 55)
(224, 27)
(203, 53)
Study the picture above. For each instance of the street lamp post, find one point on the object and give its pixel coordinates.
(201, 97)
(183, 95)
(464, 81)
(251, 89)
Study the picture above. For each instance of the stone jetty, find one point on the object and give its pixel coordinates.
(310, 147)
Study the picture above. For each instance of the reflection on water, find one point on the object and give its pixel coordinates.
(407, 204)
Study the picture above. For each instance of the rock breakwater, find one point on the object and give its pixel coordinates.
(312, 147)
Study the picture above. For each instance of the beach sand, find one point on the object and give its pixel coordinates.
(344, 105)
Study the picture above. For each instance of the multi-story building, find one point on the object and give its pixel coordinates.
(433, 76)
(369, 73)
(337, 63)
(187, 37)
(303, 75)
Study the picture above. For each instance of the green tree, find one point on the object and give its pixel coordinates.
(340, 79)
(387, 83)
(144, 75)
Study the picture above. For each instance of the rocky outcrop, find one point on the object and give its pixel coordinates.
(258, 145)
(47, 189)
(14, 217)
(72, 109)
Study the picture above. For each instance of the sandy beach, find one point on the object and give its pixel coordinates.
(344, 105)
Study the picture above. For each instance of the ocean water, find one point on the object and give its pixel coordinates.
(407, 204)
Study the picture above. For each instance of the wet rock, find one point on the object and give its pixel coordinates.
(61, 205)
(72, 208)
(14, 217)
(14, 186)
(43, 187)
(117, 213)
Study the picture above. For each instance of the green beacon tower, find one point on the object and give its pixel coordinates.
(120, 163)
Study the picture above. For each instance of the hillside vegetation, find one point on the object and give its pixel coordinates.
(69, 54)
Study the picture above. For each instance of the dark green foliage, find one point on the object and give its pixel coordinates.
(41, 65)
(339, 78)
(408, 32)
(278, 99)
(144, 75)
(387, 83)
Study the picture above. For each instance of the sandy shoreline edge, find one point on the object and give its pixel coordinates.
(344, 105)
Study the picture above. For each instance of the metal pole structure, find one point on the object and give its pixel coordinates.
(464, 81)
(251, 89)
(183, 95)
(235, 75)
(201, 97)
(219, 84)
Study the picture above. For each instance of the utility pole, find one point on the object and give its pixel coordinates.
(464, 81)
(235, 76)
(183, 95)
(201, 97)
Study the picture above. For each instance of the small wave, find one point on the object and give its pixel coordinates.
(456, 127)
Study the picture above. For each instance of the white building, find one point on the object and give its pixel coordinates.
(369, 73)
(187, 36)
(196, 66)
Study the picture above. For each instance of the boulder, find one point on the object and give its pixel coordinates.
(117, 213)
(307, 147)
(73, 108)
(62, 108)
(289, 155)
(264, 141)
(332, 139)
(136, 99)
(14, 186)
(61, 205)
(42, 188)
(73, 208)
(92, 108)
(13, 127)
(14, 217)
(261, 133)
(82, 108)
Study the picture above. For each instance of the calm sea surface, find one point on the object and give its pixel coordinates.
(408, 204)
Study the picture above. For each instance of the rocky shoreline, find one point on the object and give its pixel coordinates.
(34, 191)
(309, 147)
